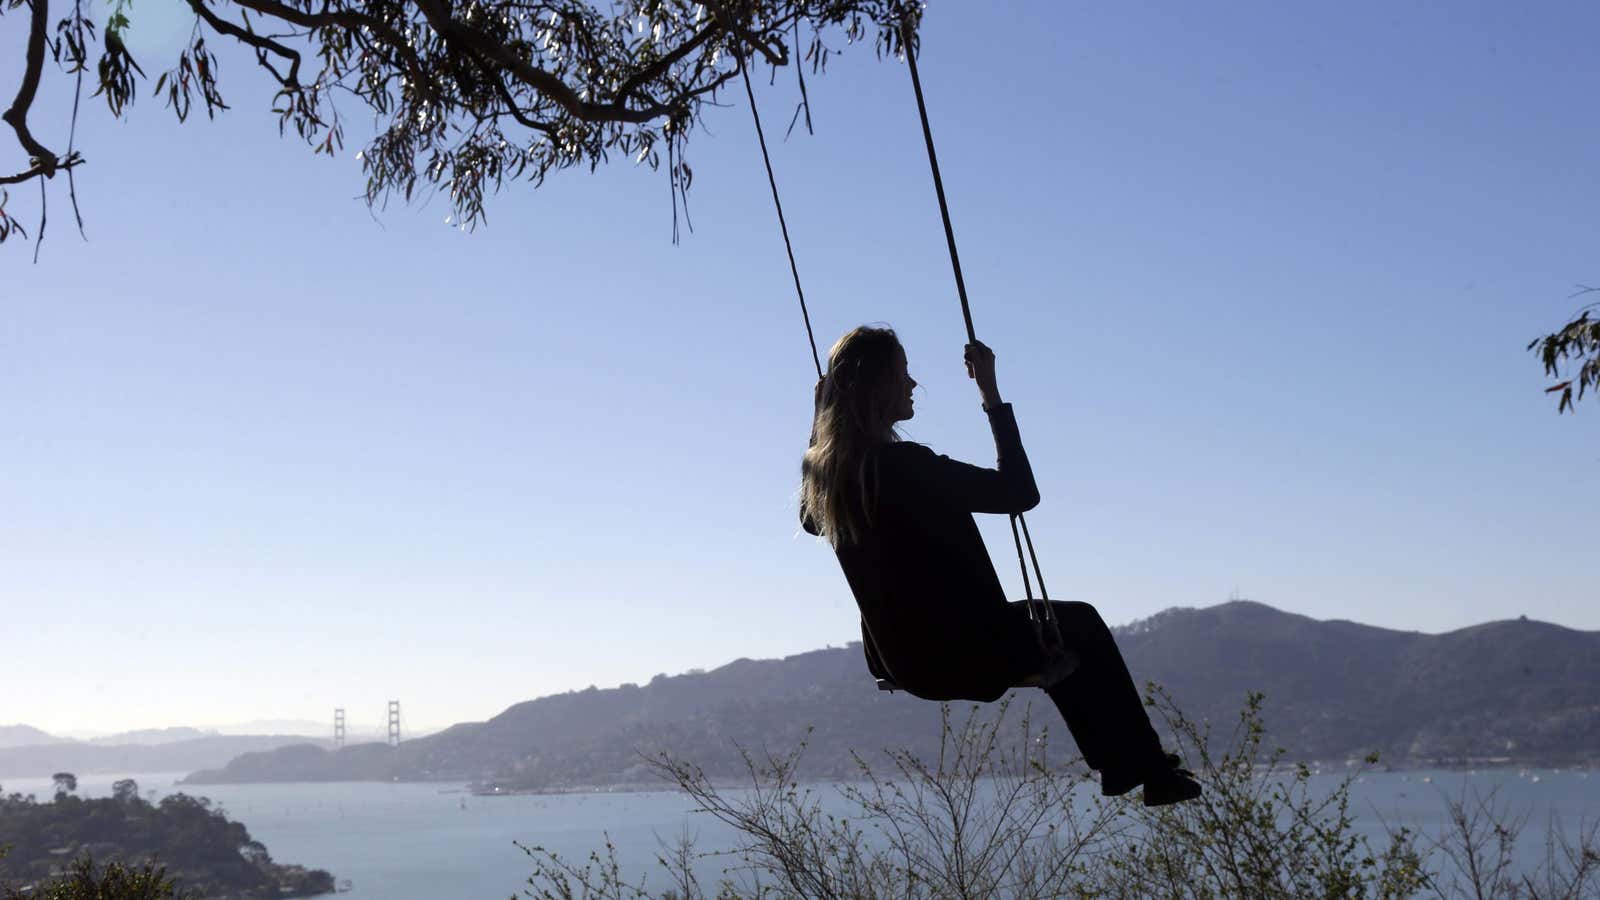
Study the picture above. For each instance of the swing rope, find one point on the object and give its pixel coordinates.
(938, 182)
(783, 225)
(1039, 609)
(1041, 612)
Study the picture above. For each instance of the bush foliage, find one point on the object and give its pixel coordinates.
(991, 815)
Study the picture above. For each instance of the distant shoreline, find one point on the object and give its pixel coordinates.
(734, 783)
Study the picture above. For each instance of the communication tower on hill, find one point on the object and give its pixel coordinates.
(338, 727)
(394, 723)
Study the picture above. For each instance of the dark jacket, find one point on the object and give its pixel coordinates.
(929, 596)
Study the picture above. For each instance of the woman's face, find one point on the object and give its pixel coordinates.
(902, 384)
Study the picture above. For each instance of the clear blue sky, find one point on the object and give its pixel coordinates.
(1259, 277)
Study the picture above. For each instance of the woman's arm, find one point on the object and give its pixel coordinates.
(1007, 488)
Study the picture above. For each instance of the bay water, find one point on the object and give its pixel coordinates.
(435, 841)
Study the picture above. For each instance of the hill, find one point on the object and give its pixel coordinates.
(25, 736)
(151, 737)
(186, 755)
(202, 849)
(1514, 692)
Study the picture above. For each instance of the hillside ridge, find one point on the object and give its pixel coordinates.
(1510, 691)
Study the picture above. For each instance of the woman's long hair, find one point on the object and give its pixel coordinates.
(855, 408)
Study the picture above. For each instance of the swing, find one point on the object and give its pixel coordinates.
(1046, 630)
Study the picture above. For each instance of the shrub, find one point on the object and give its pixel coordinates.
(115, 881)
(990, 817)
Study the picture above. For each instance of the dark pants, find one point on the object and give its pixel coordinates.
(1102, 707)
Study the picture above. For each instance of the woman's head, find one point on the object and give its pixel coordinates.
(866, 391)
(868, 381)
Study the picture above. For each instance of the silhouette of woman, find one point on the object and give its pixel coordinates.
(899, 518)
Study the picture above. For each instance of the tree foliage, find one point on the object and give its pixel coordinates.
(50, 846)
(468, 94)
(1574, 345)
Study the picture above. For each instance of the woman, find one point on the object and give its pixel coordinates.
(899, 518)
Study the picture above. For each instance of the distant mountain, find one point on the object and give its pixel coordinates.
(1519, 691)
(24, 736)
(1515, 692)
(280, 726)
(120, 759)
(151, 737)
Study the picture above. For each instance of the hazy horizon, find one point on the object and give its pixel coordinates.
(377, 730)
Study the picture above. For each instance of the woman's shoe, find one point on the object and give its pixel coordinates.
(1116, 782)
(1172, 786)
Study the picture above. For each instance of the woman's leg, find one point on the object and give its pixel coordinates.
(1099, 701)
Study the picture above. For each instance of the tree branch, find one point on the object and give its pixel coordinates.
(17, 116)
(659, 67)
(730, 21)
(260, 42)
(512, 109)
(69, 163)
(558, 91)
(353, 21)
